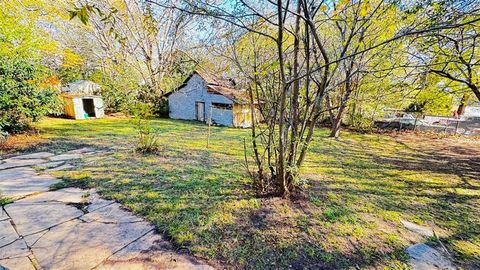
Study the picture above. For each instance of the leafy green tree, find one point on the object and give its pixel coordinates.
(22, 100)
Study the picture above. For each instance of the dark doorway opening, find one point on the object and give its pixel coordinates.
(89, 107)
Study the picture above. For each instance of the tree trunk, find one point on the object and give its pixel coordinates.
(294, 103)
(343, 105)
(338, 121)
(281, 172)
(475, 90)
(463, 104)
(330, 110)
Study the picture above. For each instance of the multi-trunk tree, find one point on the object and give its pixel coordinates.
(297, 53)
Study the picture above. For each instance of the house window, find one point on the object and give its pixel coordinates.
(222, 106)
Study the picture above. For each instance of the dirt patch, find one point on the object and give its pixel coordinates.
(21, 141)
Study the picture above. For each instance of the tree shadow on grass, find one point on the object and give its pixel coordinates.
(200, 198)
(432, 184)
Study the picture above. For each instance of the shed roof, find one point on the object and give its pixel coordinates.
(236, 95)
(214, 80)
(79, 95)
(220, 86)
(81, 87)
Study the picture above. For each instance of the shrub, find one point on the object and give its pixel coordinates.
(119, 90)
(147, 136)
(22, 101)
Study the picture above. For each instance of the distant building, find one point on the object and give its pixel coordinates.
(80, 101)
(204, 97)
(472, 111)
(467, 124)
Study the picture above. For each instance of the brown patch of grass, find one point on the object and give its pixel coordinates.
(20, 142)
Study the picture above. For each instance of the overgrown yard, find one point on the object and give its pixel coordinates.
(357, 190)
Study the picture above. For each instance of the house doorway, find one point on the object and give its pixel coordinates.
(88, 107)
(200, 111)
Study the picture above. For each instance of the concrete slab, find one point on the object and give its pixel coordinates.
(78, 245)
(35, 155)
(34, 217)
(20, 263)
(424, 257)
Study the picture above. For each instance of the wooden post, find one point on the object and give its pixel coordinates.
(456, 126)
(446, 125)
(209, 126)
(415, 124)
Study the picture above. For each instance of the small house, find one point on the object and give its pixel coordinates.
(204, 97)
(80, 101)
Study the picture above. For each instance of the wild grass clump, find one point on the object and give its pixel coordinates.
(4, 200)
(147, 138)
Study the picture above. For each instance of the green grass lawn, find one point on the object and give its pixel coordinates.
(358, 190)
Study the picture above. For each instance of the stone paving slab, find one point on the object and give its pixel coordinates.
(73, 228)
(13, 163)
(66, 157)
(150, 252)
(42, 155)
(422, 230)
(20, 263)
(3, 215)
(66, 195)
(64, 167)
(51, 165)
(16, 249)
(80, 245)
(424, 257)
(16, 173)
(95, 202)
(112, 213)
(20, 187)
(7, 233)
(35, 217)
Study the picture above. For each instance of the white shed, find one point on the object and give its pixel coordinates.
(205, 97)
(80, 101)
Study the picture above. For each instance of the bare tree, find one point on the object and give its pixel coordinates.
(147, 38)
(454, 55)
(291, 88)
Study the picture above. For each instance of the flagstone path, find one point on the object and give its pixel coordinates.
(73, 228)
(423, 256)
